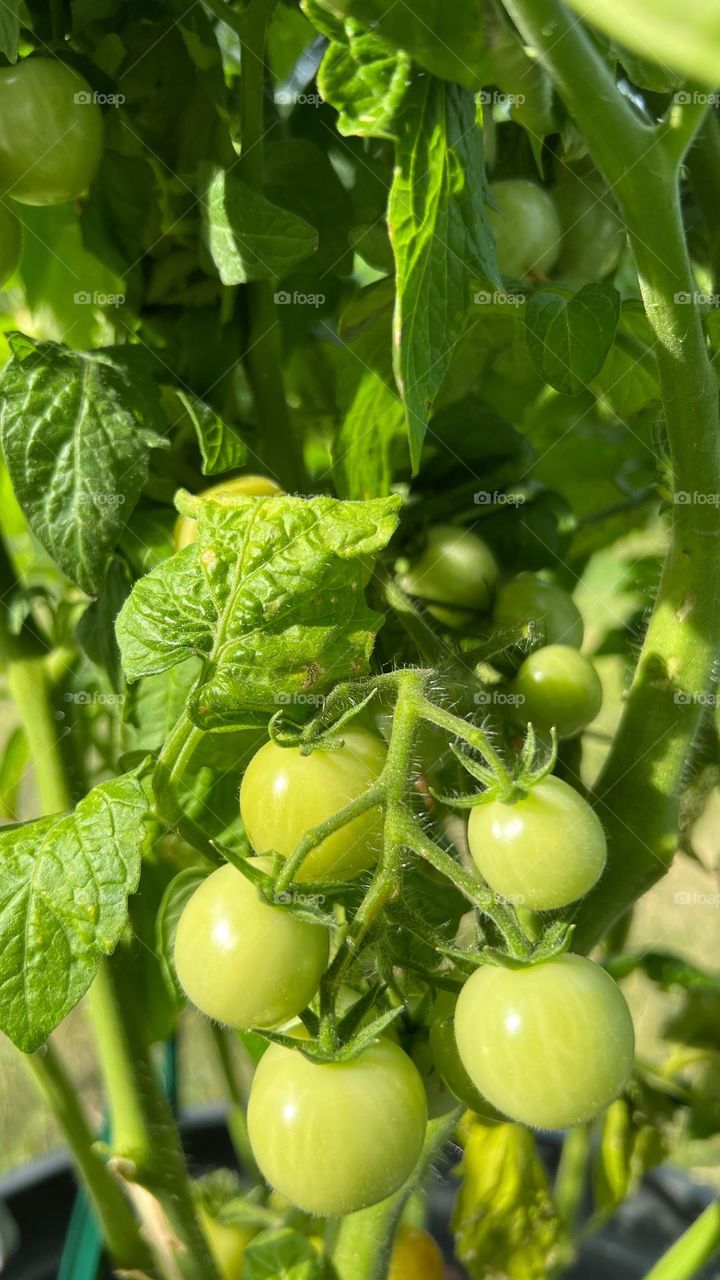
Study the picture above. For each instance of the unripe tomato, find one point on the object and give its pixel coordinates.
(227, 1243)
(336, 1137)
(528, 598)
(186, 530)
(526, 227)
(558, 687)
(243, 962)
(51, 132)
(550, 1045)
(415, 1256)
(10, 243)
(285, 793)
(447, 1059)
(456, 569)
(593, 236)
(542, 851)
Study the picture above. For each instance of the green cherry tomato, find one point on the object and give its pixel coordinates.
(593, 236)
(415, 1255)
(227, 1243)
(446, 1058)
(456, 572)
(51, 132)
(550, 1045)
(526, 227)
(285, 793)
(243, 962)
(544, 850)
(558, 686)
(186, 530)
(528, 598)
(336, 1137)
(10, 243)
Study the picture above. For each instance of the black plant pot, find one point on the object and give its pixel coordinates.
(39, 1198)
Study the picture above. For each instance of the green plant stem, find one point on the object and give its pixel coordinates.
(146, 1146)
(111, 1208)
(643, 772)
(174, 759)
(237, 1122)
(364, 1240)
(570, 1180)
(469, 733)
(696, 1246)
(263, 355)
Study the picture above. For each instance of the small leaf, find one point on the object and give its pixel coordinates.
(221, 448)
(504, 1220)
(247, 236)
(76, 430)
(10, 29)
(281, 1255)
(64, 885)
(270, 596)
(569, 337)
(440, 239)
(365, 82)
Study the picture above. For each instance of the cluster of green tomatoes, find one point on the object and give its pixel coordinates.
(547, 1044)
(51, 140)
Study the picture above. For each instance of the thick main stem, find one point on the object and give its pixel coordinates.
(637, 790)
(696, 1246)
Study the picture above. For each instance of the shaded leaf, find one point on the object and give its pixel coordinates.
(569, 336)
(247, 236)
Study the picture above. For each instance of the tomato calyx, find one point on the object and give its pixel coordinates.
(321, 1048)
(314, 734)
(498, 783)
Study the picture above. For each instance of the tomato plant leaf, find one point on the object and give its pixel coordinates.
(64, 885)
(10, 29)
(569, 336)
(270, 596)
(365, 82)
(76, 430)
(247, 236)
(440, 239)
(372, 434)
(281, 1255)
(447, 40)
(662, 30)
(504, 1220)
(221, 448)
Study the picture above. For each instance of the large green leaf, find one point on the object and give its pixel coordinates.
(504, 1221)
(10, 29)
(684, 37)
(76, 430)
(247, 236)
(270, 596)
(440, 238)
(569, 335)
(64, 885)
